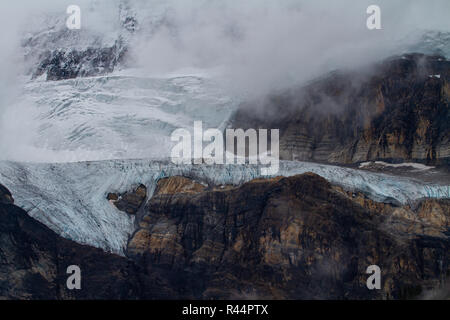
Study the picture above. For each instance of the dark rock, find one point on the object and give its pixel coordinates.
(395, 111)
(292, 238)
(70, 63)
(129, 202)
(130, 23)
(112, 197)
(34, 261)
(5, 196)
(280, 238)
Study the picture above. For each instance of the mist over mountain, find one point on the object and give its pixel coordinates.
(261, 44)
(86, 119)
(249, 50)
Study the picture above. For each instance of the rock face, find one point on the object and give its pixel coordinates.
(34, 261)
(51, 49)
(68, 64)
(292, 238)
(397, 110)
(129, 202)
(5, 196)
(175, 185)
(280, 238)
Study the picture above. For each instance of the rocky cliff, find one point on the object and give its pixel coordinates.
(34, 261)
(290, 238)
(280, 238)
(394, 111)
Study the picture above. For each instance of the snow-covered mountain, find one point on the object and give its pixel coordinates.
(116, 116)
(110, 92)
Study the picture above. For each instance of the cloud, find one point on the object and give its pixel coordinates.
(259, 45)
(265, 45)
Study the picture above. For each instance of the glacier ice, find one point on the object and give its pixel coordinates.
(129, 115)
(70, 198)
(122, 115)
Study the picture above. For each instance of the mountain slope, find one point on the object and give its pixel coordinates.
(34, 261)
(397, 110)
(71, 198)
(281, 238)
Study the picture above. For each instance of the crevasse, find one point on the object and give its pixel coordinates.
(70, 198)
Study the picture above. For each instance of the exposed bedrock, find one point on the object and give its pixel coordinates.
(294, 238)
(34, 261)
(282, 238)
(64, 64)
(129, 202)
(396, 110)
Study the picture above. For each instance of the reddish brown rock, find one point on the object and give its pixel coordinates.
(281, 238)
(178, 184)
(293, 238)
(129, 202)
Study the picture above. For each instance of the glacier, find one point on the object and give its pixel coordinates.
(70, 198)
(126, 114)
(77, 135)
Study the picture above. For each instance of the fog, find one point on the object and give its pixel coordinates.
(265, 45)
(256, 46)
(261, 44)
